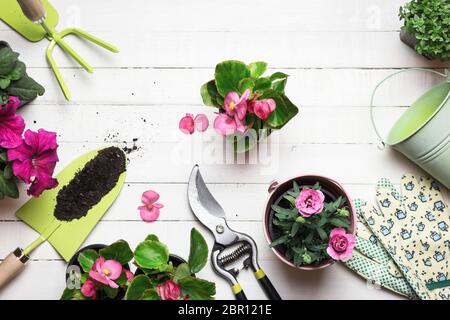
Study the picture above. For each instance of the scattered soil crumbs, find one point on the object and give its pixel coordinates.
(98, 177)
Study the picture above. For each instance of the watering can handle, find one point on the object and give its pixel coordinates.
(12, 265)
(372, 119)
(32, 9)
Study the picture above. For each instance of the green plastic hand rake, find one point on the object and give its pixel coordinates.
(19, 13)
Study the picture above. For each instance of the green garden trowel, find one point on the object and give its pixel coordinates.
(65, 236)
(36, 20)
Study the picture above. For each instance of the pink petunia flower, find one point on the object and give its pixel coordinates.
(150, 210)
(106, 271)
(35, 159)
(262, 108)
(11, 124)
(169, 290)
(341, 244)
(309, 202)
(88, 289)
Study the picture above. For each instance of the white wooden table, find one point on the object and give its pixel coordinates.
(335, 51)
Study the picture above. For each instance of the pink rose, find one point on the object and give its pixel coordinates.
(341, 244)
(88, 289)
(309, 202)
(169, 290)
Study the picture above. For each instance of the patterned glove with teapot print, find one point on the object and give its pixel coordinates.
(413, 226)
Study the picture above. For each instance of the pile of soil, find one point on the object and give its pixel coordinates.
(98, 177)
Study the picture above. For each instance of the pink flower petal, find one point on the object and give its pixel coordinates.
(112, 284)
(150, 196)
(201, 122)
(225, 125)
(114, 267)
(149, 215)
(99, 277)
(41, 182)
(11, 124)
(88, 289)
(186, 124)
(98, 264)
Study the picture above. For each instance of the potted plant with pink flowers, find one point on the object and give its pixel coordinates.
(249, 105)
(162, 276)
(99, 272)
(309, 222)
(28, 156)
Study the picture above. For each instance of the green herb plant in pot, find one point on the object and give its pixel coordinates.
(249, 105)
(161, 276)
(426, 27)
(309, 222)
(99, 272)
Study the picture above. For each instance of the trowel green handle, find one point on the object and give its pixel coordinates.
(13, 264)
(372, 119)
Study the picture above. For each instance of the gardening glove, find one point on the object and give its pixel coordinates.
(413, 227)
(372, 262)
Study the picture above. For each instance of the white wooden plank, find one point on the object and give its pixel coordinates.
(206, 49)
(143, 16)
(44, 280)
(306, 87)
(125, 123)
(241, 202)
(172, 162)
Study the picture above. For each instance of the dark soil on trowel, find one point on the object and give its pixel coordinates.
(98, 177)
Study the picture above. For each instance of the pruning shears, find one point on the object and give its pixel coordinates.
(239, 246)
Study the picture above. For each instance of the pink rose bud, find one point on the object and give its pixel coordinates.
(341, 244)
(309, 202)
(201, 122)
(186, 124)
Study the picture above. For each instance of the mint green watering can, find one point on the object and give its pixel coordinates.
(422, 133)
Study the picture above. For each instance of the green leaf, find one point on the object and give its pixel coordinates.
(122, 280)
(285, 110)
(257, 69)
(8, 187)
(183, 270)
(246, 83)
(278, 76)
(290, 198)
(197, 289)
(4, 83)
(339, 223)
(87, 258)
(111, 292)
(151, 254)
(228, 74)
(8, 60)
(72, 294)
(285, 214)
(198, 254)
(262, 84)
(152, 237)
(210, 95)
(279, 86)
(296, 187)
(141, 288)
(18, 71)
(294, 230)
(8, 173)
(322, 234)
(26, 89)
(119, 251)
(281, 240)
